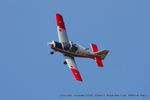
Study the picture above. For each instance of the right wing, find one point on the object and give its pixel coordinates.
(73, 67)
(62, 34)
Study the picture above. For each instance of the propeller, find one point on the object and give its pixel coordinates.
(48, 43)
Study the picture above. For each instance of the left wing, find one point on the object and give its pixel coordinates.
(73, 67)
(62, 34)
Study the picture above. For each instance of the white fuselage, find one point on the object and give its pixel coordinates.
(79, 51)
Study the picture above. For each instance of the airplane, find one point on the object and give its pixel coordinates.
(71, 50)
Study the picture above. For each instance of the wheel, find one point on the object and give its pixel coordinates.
(65, 62)
(52, 53)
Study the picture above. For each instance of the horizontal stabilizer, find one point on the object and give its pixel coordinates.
(98, 59)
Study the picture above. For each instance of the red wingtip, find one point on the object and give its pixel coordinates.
(59, 21)
(76, 74)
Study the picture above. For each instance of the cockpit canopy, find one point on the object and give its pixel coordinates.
(67, 46)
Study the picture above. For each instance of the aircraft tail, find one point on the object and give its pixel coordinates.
(100, 55)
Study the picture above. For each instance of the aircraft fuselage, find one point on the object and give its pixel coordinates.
(71, 49)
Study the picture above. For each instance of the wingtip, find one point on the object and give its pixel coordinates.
(57, 14)
(59, 21)
(76, 74)
(79, 80)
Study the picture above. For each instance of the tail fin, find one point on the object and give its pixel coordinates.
(102, 54)
(98, 59)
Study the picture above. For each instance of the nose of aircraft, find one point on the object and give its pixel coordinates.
(50, 44)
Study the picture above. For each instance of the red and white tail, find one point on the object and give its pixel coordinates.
(98, 59)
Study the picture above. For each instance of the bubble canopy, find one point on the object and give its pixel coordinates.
(67, 46)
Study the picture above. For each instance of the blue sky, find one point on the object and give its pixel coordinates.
(29, 72)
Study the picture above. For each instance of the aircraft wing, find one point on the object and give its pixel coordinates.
(73, 67)
(62, 34)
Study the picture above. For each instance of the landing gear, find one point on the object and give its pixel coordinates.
(65, 62)
(52, 52)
